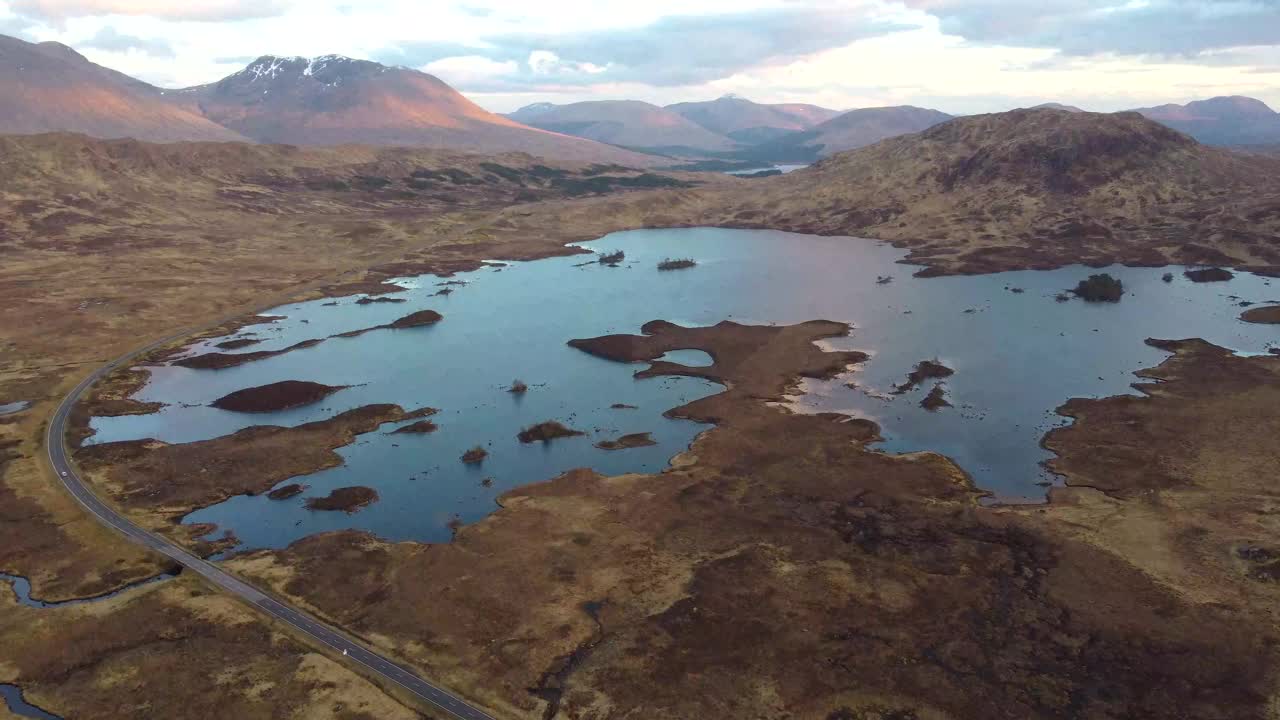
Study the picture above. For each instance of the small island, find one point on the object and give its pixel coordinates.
(1207, 275)
(633, 440)
(677, 263)
(347, 499)
(924, 370)
(475, 455)
(282, 395)
(1265, 315)
(1100, 288)
(421, 427)
(285, 492)
(546, 432)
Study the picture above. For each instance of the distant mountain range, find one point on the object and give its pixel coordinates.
(750, 122)
(333, 100)
(854, 129)
(49, 86)
(1231, 120)
(628, 123)
(329, 100)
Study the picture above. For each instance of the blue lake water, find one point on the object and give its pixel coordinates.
(784, 169)
(12, 697)
(1017, 356)
(13, 407)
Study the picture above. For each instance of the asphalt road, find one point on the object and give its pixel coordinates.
(373, 664)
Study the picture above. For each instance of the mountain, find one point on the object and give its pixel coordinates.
(334, 100)
(751, 122)
(50, 87)
(1232, 120)
(628, 123)
(1057, 106)
(1036, 188)
(853, 129)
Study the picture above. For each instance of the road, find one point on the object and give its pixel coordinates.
(373, 663)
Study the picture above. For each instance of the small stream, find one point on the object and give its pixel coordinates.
(22, 589)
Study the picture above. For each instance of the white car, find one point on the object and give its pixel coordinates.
(64, 473)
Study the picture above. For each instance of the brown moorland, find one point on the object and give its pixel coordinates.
(1266, 315)
(158, 483)
(780, 553)
(166, 648)
(102, 238)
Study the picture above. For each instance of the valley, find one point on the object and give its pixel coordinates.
(328, 393)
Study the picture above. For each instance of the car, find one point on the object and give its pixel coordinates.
(64, 473)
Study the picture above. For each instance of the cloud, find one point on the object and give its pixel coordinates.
(673, 51)
(1089, 27)
(16, 27)
(195, 10)
(111, 40)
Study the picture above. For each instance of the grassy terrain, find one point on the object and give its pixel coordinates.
(892, 584)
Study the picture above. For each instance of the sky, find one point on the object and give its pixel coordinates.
(960, 56)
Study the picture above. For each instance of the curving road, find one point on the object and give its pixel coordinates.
(373, 664)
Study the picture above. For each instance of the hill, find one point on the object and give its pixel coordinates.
(1232, 120)
(50, 87)
(1057, 106)
(854, 129)
(751, 122)
(628, 123)
(1037, 188)
(334, 100)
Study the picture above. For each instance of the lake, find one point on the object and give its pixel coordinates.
(1017, 351)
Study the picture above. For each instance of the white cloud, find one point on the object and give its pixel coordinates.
(198, 10)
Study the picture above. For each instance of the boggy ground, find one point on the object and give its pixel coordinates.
(781, 569)
(158, 483)
(175, 649)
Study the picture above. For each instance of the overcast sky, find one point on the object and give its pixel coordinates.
(961, 56)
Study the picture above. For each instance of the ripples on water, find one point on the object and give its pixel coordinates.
(1017, 356)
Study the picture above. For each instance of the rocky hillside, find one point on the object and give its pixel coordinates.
(333, 100)
(627, 123)
(50, 87)
(1222, 120)
(1038, 188)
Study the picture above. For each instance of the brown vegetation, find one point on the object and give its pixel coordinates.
(676, 263)
(1206, 275)
(157, 484)
(420, 318)
(219, 361)
(421, 427)
(475, 455)
(166, 648)
(345, 499)
(546, 432)
(284, 492)
(1100, 288)
(924, 370)
(275, 396)
(780, 553)
(633, 440)
(1267, 315)
(936, 399)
